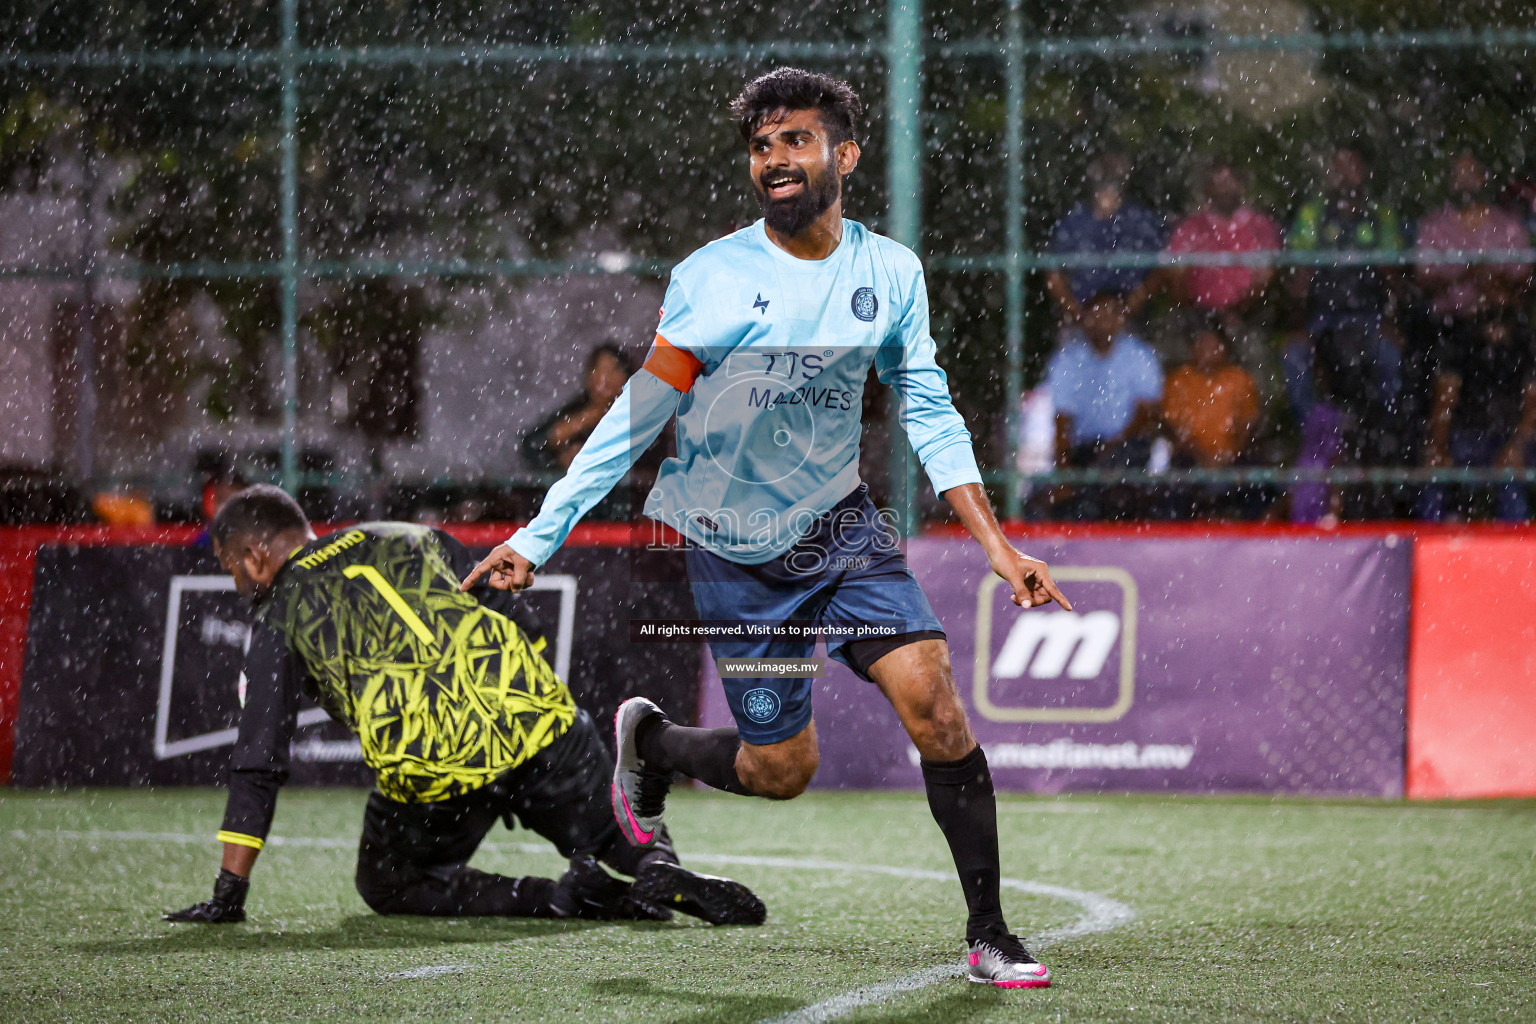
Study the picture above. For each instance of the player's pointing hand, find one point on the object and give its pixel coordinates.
(504, 569)
(1030, 579)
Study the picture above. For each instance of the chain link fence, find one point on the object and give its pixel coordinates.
(366, 255)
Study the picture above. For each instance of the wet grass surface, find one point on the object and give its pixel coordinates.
(1246, 910)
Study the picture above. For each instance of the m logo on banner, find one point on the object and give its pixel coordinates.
(1049, 644)
(1058, 644)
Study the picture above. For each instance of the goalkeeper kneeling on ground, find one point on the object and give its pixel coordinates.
(460, 717)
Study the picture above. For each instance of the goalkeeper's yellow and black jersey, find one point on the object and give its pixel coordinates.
(443, 688)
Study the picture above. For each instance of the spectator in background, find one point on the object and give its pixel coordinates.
(1519, 198)
(1226, 223)
(1211, 407)
(220, 481)
(1105, 387)
(1345, 304)
(123, 507)
(1343, 372)
(554, 442)
(1460, 293)
(1484, 412)
(1105, 224)
(1463, 301)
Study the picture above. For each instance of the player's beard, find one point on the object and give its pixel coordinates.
(792, 216)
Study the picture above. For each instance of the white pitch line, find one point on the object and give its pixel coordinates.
(1100, 913)
(175, 837)
(435, 971)
(193, 838)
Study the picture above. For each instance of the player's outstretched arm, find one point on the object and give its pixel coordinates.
(1029, 577)
(258, 769)
(625, 431)
(503, 569)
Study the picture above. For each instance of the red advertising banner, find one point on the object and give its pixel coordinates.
(18, 556)
(1472, 668)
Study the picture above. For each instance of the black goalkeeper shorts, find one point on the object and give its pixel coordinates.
(561, 794)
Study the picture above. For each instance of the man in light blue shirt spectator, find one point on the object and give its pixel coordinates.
(1106, 386)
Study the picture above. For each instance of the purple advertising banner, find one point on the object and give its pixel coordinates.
(1251, 664)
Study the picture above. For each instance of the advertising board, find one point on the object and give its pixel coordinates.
(1193, 665)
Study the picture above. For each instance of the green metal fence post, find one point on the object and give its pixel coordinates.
(85, 343)
(904, 181)
(289, 282)
(1013, 286)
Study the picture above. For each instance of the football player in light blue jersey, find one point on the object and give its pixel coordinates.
(765, 341)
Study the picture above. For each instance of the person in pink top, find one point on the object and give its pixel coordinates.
(1460, 293)
(1224, 223)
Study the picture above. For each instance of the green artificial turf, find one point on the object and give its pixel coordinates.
(1246, 910)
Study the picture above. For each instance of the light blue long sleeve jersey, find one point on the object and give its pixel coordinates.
(763, 358)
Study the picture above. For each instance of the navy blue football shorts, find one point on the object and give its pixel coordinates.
(845, 580)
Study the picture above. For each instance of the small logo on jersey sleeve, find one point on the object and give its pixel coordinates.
(865, 305)
(761, 705)
(761, 305)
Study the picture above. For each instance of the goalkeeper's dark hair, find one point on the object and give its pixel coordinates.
(257, 514)
(798, 89)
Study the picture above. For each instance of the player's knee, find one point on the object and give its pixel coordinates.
(784, 786)
(938, 726)
(948, 722)
(380, 899)
(381, 890)
(780, 778)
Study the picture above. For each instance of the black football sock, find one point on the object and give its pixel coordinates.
(962, 801)
(708, 755)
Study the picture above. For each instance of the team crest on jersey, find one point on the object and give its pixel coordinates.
(761, 705)
(865, 305)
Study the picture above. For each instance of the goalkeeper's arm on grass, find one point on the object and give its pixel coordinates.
(258, 766)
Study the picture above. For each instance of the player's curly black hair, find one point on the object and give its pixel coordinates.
(257, 513)
(798, 89)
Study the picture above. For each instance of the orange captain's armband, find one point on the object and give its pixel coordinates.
(673, 365)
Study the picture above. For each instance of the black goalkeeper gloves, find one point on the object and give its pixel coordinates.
(226, 907)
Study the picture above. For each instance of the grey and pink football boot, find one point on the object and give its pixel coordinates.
(1002, 960)
(639, 796)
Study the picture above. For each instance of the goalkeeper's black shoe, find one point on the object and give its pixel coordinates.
(716, 900)
(226, 907)
(206, 912)
(587, 891)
